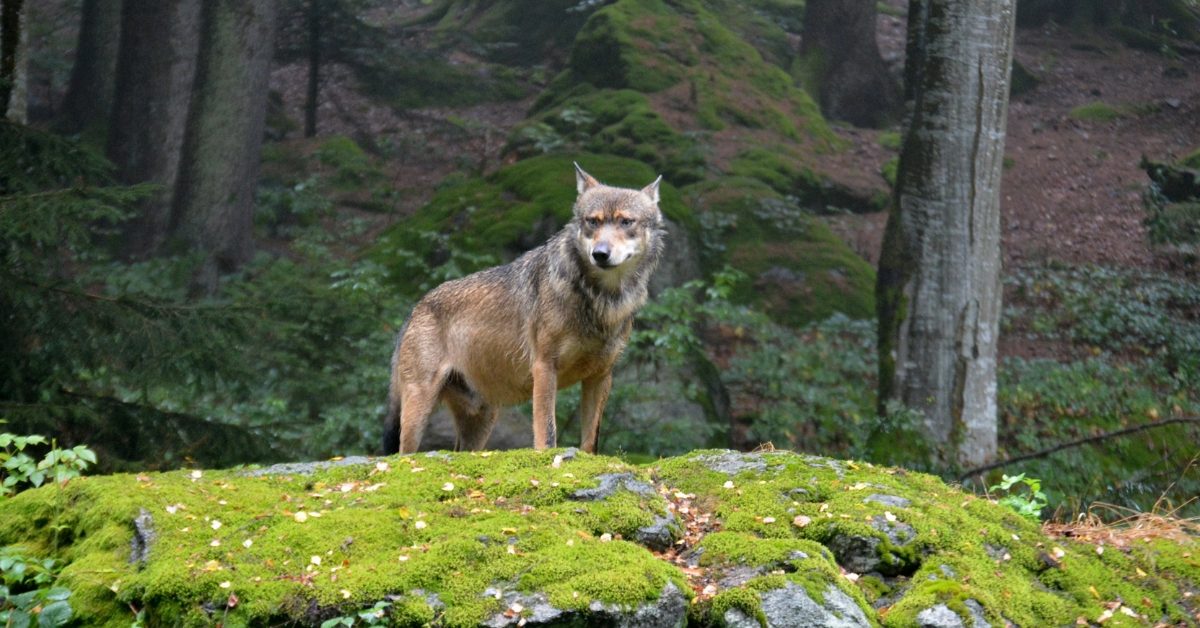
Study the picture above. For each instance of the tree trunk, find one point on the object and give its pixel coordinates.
(841, 65)
(90, 93)
(314, 68)
(214, 201)
(938, 291)
(156, 70)
(14, 61)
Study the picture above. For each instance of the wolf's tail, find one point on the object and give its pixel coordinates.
(391, 419)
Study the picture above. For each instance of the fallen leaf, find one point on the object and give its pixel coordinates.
(216, 524)
(420, 525)
(606, 537)
(226, 584)
(889, 516)
(448, 486)
(316, 560)
(801, 520)
(557, 462)
(768, 520)
(728, 484)
(300, 516)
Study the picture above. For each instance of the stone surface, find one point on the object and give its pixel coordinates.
(888, 500)
(792, 607)
(611, 483)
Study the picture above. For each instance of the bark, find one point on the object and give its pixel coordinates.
(90, 93)
(938, 286)
(842, 65)
(214, 200)
(14, 60)
(156, 70)
(314, 67)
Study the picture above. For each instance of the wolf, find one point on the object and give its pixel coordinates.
(557, 315)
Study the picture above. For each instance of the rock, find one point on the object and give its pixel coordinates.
(611, 483)
(659, 535)
(514, 430)
(856, 553)
(888, 500)
(143, 537)
(792, 607)
(978, 619)
(679, 264)
(860, 553)
(668, 611)
(941, 616)
(306, 468)
(733, 463)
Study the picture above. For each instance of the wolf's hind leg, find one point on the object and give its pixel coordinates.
(415, 407)
(473, 418)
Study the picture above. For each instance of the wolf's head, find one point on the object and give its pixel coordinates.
(617, 226)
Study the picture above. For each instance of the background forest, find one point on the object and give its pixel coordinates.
(215, 217)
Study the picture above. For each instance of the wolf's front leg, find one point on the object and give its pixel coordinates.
(591, 409)
(545, 386)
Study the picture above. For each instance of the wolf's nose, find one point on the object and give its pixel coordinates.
(600, 253)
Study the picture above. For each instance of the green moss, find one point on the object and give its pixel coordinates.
(1096, 111)
(452, 525)
(890, 167)
(368, 532)
(651, 47)
(1192, 160)
(891, 140)
(618, 122)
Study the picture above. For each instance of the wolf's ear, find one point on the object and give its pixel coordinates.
(583, 180)
(652, 190)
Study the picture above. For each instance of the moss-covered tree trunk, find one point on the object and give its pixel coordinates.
(841, 64)
(156, 68)
(14, 60)
(214, 200)
(938, 287)
(90, 93)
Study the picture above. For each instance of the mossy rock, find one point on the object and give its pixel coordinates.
(799, 270)
(489, 220)
(653, 46)
(553, 537)
(619, 122)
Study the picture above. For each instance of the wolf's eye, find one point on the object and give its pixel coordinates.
(626, 222)
(593, 222)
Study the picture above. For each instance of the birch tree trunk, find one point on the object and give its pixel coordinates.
(841, 64)
(214, 199)
(938, 290)
(92, 88)
(156, 69)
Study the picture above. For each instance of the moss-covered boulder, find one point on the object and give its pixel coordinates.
(798, 270)
(559, 537)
